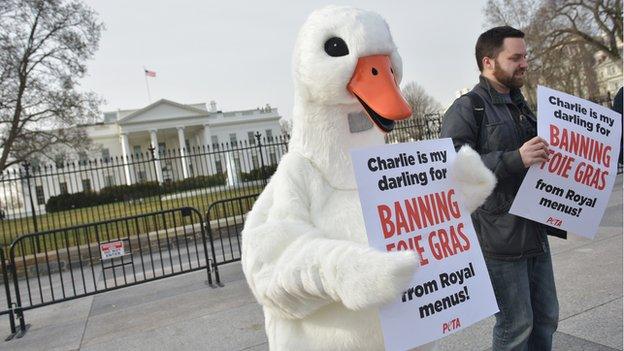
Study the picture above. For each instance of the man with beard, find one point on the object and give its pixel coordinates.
(495, 120)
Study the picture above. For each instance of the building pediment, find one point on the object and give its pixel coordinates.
(162, 110)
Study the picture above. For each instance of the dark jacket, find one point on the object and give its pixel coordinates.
(617, 102)
(506, 125)
(617, 107)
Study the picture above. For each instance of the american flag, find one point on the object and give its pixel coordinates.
(150, 73)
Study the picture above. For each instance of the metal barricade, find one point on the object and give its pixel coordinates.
(7, 293)
(68, 263)
(224, 222)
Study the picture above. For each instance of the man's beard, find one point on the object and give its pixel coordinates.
(509, 80)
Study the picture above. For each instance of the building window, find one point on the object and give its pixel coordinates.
(251, 138)
(214, 140)
(86, 184)
(218, 166)
(162, 147)
(136, 150)
(40, 195)
(254, 161)
(269, 135)
(109, 180)
(106, 154)
(237, 166)
(63, 187)
(35, 163)
(233, 140)
(59, 160)
(141, 176)
(82, 158)
(272, 157)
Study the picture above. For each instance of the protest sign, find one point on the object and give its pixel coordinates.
(410, 203)
(571, 190)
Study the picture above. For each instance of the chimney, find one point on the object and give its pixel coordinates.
(213, 106)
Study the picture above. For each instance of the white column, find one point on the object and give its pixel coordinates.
(207, 147)
(207, 135)
(232, 170)
(154, 141)
(125, 151)
(183, 151)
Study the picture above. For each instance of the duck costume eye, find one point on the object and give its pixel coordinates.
(336, 47)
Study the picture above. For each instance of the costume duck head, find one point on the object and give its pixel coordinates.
(347, 72)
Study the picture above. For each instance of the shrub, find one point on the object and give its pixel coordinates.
(194, 183)
(118, 193)
(264, 172)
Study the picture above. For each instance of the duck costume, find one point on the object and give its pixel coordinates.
(304, 249)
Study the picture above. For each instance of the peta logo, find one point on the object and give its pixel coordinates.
(554, 221)
(452, 325)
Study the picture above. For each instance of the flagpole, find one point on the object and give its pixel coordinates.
(149, 97)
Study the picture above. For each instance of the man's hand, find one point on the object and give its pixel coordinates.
(534, 151)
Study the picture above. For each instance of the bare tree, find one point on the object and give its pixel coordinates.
(561, 37)
(44, 46)
(597, 23)
(423, 108)
(418, 99)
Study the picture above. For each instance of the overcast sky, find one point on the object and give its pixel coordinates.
(239, 53)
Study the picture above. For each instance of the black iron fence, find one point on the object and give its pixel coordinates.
(35, 198)
(416, 128)
(224, 231)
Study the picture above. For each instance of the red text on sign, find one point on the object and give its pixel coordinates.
(452, 325)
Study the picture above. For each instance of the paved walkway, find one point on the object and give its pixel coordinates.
(183, 313)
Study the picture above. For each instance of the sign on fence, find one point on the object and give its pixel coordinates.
(571, 191)
(112, 249)
(409, 203)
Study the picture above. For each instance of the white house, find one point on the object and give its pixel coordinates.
(168, 125)
(190, 139)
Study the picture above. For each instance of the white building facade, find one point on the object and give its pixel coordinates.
(188, 141)
(609, 75)
(186, 129)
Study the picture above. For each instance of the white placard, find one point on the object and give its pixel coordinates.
(409, 203)
(571, 191)
(112, 249)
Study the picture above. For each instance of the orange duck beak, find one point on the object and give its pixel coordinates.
(374, 85)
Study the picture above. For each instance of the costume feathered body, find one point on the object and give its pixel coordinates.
(305, 254)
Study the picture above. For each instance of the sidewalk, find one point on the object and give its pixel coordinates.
(183, 313)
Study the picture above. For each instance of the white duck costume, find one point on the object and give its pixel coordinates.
(305, 253)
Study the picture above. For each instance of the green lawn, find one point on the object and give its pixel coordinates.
(9, 229)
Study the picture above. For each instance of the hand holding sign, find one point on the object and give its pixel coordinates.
(570, 190)
(534, 151)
